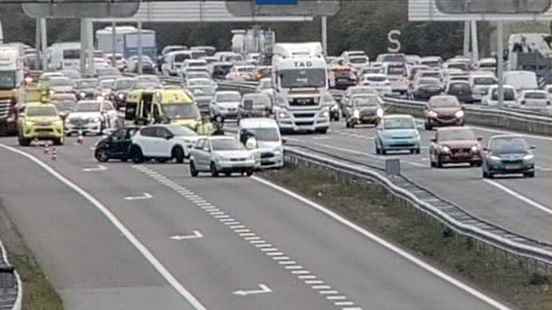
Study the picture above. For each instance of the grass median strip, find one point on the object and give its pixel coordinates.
(38, 292)
(372, 207)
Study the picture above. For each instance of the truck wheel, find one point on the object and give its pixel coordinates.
(58, 141)
(24, 142)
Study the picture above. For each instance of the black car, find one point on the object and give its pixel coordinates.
(508, 154)
(116, 145)
(461, 90)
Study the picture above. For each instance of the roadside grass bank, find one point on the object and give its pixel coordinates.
(38, 292)
(371, 206)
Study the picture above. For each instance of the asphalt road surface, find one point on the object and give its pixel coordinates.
(120, 236)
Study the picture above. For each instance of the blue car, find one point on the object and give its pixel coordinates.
(397, 133)
(508, 154)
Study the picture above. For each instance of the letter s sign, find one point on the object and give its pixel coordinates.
(392, 36)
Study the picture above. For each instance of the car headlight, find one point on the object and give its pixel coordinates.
(459, 114)
(277, 152)
(528, 157)
(475, 149)
(325, 114)
(494, 158)
(121, 96)
(283, 114)
(446, 149)
(51, 92)
(356, 114)
(29, 123)
(82, 94)
(432, 114)
(379, 112)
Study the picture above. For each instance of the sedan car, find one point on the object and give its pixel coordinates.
(397, 133)
(225, 104)
(366, 109)
(380, 82)
(534, 99)
(453, 145)
(221, 155)
(115, 146)
(61, 85)
(508, 154)
(425, 88)
(443, 110)
(86, 88)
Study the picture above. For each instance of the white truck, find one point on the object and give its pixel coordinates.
(301, 90)
(64, 55)
(11, 80)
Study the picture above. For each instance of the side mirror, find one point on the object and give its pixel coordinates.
(533, 147)
(207, 149)
(169, 137)
(485, 149)
(479, 139)
(434, 140)
(284, 141)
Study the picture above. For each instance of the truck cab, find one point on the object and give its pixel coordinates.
(300, 77)
(11, 82)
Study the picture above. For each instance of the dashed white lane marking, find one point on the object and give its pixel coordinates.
(466, 288)
(142, 249)
(252, 238)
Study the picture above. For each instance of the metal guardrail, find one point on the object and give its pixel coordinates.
(441, 210)
(11, 287)
(506, 119)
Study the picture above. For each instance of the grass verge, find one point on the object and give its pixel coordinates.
(38, 292)
(372, 207)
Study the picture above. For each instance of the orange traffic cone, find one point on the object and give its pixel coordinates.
(54, 153)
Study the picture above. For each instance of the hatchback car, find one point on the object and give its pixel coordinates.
(425, 88)
(366, 109)
(491, 99)
(461, 90)
(221, 155)
(115, 146)
(397, 133)
(443, 111)
(508, 154)
(453, 145)
(534, 99)
(225, 104)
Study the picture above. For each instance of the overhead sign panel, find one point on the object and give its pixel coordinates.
(490, 10)
(81, 8)
(493, 6)
(283, 7)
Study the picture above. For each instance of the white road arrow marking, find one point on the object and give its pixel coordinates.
(99, 168)
(143, 197)
(195, 235)
(264, 289)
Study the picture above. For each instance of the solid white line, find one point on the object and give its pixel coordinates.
(120, 226)
(389, 246)
(519, 196)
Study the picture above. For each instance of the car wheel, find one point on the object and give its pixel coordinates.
(137, 156)
(178, 154)
(228, 174)
(214, 171)
(428, 126)
(161, 160)
(322, 130)
(352, 125)
(418, 151)
(439, 164)
(529, 174)
(383, 152)
(193, 170)
(101, 155)
(377, 149)
(249, 172)
(24, 142)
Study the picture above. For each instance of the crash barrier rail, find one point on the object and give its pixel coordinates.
(11, 288)
(242, 86)
(536, 255)
(517, 120)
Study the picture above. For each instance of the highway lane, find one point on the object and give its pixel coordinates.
(254, 235)
(493, 200)
(88, 261)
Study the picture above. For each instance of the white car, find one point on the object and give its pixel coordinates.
(162, 143)
(241, 73)
(221, 154)
(225, 104)
(269, 149)
(91, 117)
(480, 84)
(534, 100)
(491, 99)
(380, 82)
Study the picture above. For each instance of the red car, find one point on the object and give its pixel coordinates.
(453, 145)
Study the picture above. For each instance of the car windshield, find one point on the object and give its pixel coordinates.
(508, 145)
(180, 111)
(7, 80)
(257, 99)
(303, 78)
(509, 94)
(429, 81)
(64, 106)
(203, 91)
(151, 79)
(228, 97)
(146, 85)
(107, 84)
(431, 74)
(456, 134)
(179, 131)
(360, 90)
(393, 58)
(181, 57)
(368, 101)
(375, 78)
(88, 107)
(197, 75)
(41, 111)
(246, 69)
(226, 145)
(199, 82)
(107, 71)
(456, 87)
(396, 70)
(484, 81)
(265, 134)
(124, 84)
(443, 103)
(399, 123)
(87, 83)
(59, 81)
(535, 95)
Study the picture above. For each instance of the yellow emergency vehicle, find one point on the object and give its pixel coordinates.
(166, 106)
(40, 121)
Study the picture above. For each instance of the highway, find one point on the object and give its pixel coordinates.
(121, 236)
(520, 205)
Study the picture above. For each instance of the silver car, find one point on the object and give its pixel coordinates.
(221, 155)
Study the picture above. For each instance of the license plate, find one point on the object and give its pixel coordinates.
(512, 167)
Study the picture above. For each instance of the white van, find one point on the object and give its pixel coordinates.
(269, 144)
(521, 80)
